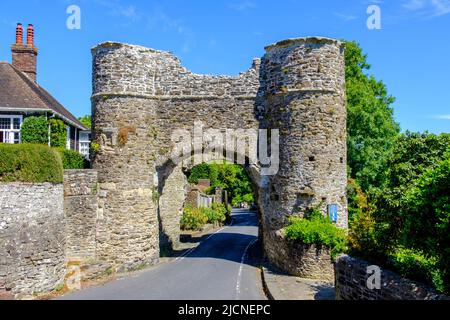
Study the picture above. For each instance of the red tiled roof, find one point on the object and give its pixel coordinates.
(19, 93)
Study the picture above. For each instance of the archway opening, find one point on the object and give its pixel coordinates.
(199, 200)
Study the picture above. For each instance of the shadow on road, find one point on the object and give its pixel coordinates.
(229, 244)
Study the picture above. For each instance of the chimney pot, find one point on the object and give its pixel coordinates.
(30, 35)
(19, 34)
(24, 57)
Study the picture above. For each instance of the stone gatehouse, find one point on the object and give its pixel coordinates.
(140, 96)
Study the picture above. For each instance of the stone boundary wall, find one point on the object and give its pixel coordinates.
(80, 207)
(304, 261)
(32, 238)
(351, 284)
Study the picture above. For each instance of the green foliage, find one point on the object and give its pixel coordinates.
(230, 177)
(368, 239)
(193, 219)
(72, 159)
(357, 199)
(58, 133)
(317, 230)
(414, 154)
(398, 194)
(426, 216)
(35, 130)
(95, 147)
(415, 200)
(86, 121)
(215, 214)
(30, 163)
(221, 212)
(371, 126)
(204, 171)
(156, 196)
(412, 212)
(415, 265)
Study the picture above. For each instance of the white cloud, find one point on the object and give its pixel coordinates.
(116, 9)
(442, 117)
(160, 20)
(345, 17)
(442, 7)
(428, 8)
(414, 4)
(241, 6)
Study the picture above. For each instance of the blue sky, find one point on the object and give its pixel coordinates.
(411, 53)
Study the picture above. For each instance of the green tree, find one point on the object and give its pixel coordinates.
(414, 154)
(371, 126)
(35, 130)
(426, 216)
(230, 177)
(86, 121)
(204, 171)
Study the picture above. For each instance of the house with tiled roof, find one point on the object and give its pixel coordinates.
(21, 96)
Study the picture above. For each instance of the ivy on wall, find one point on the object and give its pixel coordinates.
(35, 130)
(58, 133)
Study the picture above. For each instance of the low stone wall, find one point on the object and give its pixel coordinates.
(351, 284)
(80, 207)
(32, 237)
(304, 261)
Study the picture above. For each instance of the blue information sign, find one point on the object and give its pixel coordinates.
(333, 212)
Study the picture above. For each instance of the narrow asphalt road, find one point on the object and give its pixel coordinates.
(220, 268)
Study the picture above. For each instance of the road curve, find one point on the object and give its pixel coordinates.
(218, 269)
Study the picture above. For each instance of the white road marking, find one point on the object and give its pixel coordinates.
(241, 269)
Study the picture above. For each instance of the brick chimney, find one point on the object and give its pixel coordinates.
(24, 56)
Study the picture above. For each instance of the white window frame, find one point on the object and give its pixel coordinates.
(82, 142)
(11, 129)
(68, 138)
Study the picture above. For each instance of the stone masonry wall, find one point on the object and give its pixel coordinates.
(171, 206)
(351, 284)
(141, 96)
(304, 84)
(80, 208)
(32, 237)
(305, 261)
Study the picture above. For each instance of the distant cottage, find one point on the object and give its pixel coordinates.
(21, 97)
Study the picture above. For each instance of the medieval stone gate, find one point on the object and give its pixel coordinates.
(140, 96)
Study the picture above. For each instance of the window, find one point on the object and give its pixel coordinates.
(85, 142)
(68, 144)
(10, 129)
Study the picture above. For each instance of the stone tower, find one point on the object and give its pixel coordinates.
(304, 85)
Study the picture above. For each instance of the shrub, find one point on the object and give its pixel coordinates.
(35, 130)
(30, 163)
(317, 230)
(367, 239)
(58, 133)
(217, 213)
(193, 219)
(415, 265)
(72, 159)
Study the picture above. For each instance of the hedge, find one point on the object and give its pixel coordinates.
(30, 163)
(35, 130)
(72, 159)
